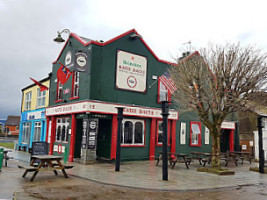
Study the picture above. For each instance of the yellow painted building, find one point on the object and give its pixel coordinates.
(33, 120)
(31, 96)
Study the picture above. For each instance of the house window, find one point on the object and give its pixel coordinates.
(133, 132)
(163, 93)
(160, 133)
(26, 133)
(75, 84)
(62, 130)
(207, 135)
(264, 123)
(195, 134)
(59, 91)
(37, 131)
(28, 99)
(41, 98)
(183, 133)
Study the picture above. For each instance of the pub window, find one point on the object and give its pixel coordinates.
(37, 131)
(41, 98)
(75, 84)
(195, 134)
(28, 99)
(160, 133)
(163, 93)
(62, 130)
(59, 91)
(133, 132)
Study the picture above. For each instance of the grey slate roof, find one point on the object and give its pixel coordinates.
(12, 120)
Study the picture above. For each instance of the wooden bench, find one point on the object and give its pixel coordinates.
(27, 169)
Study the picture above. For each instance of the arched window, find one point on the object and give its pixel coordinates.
(132, 132)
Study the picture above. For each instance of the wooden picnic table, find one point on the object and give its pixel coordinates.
(202, 157)
(241, 155)
(173, 158)
(231, 156)
(46, 163)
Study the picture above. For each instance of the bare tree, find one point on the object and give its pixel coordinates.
(217, 81)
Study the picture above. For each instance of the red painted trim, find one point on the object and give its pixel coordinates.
(52, 137)
(47, 128)
(231, 140)
(57, 101)
(114, 137)
(72, 98)
(72, 85)
(72, 138)
(152, 139)
(84, 43)
(173, 136)
(132, 145)
(199, 138)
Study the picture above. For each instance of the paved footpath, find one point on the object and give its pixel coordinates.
(146, 175)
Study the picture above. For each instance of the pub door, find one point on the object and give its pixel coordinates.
(104, 138)
(224, 143)
(78, 138)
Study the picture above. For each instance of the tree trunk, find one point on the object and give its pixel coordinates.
(216, 149)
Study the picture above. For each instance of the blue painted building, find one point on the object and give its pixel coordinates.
(33, 120)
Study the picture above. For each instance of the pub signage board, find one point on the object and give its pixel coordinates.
(89, 133)
(131, 71)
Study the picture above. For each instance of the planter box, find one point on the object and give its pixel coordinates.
(216, 171)
(256, 169)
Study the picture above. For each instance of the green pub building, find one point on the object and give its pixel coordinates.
(121, 72)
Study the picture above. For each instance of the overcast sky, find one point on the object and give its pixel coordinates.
(27, 29)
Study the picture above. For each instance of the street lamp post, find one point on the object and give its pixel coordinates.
(261, 152)
(165, 113)
(59, 39)
(118, 151)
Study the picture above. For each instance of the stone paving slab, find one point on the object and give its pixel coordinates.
(146, 175)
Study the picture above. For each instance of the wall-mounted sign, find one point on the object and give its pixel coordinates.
(40, 114)
(228, 125)
(108, 108)
(89, 133)
(182, 133)
(131, 72)
(81, 63)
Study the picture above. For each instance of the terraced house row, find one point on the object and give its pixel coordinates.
(88, 81)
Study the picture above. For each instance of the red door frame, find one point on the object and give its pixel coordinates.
(72, 139)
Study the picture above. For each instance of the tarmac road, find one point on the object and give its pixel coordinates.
(48, 186)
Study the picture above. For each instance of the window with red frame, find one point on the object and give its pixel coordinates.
(163, 93)
(75, 85)
(195, 134)
(160, 133)
(59, 91)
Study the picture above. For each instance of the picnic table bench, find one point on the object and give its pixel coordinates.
(173, 158)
